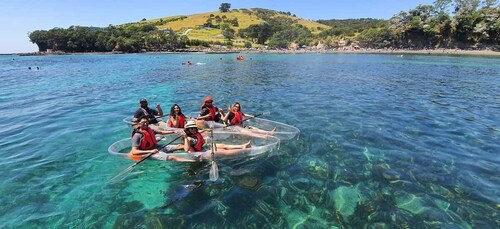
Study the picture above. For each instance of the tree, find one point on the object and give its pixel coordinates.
(234, 22)
(259, 32)
(376, 38)
(224, 7)
(228, 33)
(41, 39)
(218, 19)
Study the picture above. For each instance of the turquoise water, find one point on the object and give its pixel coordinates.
(386, 142)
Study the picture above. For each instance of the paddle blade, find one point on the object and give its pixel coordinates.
(214, 172)
(120, 176)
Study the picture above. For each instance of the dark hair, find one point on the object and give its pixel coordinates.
(172, 112)
(237, 103)
(138, 120)
(188, 133)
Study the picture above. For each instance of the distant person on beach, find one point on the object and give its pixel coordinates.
(209, 112)
(195, 142)
(176, 119)
(144, 110)
(144, 143)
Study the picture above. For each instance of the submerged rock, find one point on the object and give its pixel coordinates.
(391, 175)
(249, 182)
(410, 202)
(345, 200)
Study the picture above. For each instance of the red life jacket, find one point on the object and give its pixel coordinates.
(181, 120)
(199, 145)
(148, 141)
(237, 119)
(212, 111)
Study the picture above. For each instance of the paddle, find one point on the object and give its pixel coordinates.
(123, 173)
(214, 170)
(255, 116)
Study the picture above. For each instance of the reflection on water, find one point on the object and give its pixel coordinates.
(385, 142)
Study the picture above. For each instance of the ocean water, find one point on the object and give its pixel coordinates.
(386, 141)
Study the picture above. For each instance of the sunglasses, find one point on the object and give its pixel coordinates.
(143, 123)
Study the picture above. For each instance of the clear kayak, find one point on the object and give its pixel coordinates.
(256, 126)
(259, 146)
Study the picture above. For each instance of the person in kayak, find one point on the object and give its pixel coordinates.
(195, 142)
(235, 117)
(209, 112)
(144, 110)
(176, 119)
(144, 142)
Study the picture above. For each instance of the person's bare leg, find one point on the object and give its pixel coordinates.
(228, 147)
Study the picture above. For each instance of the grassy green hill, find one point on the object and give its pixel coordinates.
(192, 25)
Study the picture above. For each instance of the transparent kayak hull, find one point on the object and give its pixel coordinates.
(259, 146)
(258, 126)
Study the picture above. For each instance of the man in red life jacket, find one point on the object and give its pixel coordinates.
(144, 142)
(209, 112)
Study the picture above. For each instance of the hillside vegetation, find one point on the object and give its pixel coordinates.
(466, 24)
(245, 18)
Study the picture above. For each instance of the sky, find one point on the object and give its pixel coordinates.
(20, 17)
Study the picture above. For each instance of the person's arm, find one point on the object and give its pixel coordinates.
(248, 115)
(224, 118)
(203, 114)
(187, 140)
(166, 132)
(228, 117)
(221, 111)
(160, 111)
(172, 121)
(136, 142)
(136, 151)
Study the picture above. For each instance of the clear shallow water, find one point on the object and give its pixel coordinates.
(386, 142)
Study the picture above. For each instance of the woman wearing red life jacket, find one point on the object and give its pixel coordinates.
(235, 117)
(195, 142)
(144, 142)
(176, 119)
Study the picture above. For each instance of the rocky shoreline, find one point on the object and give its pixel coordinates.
(300, 51)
